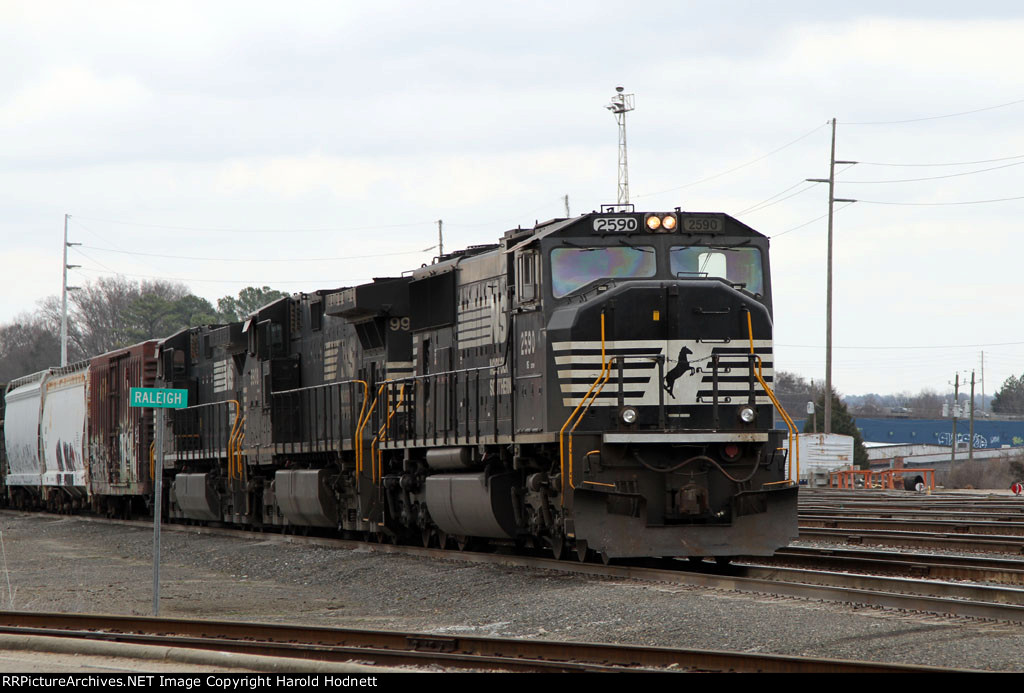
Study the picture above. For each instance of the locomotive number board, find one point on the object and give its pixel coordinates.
(701, 224)
(690, 224)
(616, 224)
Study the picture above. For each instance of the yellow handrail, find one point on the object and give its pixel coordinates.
(794, 435)
(375, 464)
(235, 451)
(606, 374)
(561, 432)
(234, 433)
(363, 420)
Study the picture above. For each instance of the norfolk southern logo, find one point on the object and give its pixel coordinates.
(682, 366)
(702, 372)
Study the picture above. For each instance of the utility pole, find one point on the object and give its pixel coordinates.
(970, 448)
(64, 296)
(831, 180)
(440, 239)
(567, 215)
(621, 105)
(956, 400)
(983, 383)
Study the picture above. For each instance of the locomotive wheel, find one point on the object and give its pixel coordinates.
(581, 551)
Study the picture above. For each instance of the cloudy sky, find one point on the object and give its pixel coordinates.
(307, 145)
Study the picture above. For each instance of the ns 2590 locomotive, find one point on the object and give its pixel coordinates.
(598, 384)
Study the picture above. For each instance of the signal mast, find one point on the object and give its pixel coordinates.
(622, 104)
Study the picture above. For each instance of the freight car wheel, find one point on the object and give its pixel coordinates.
(427, 537)
(582, 553)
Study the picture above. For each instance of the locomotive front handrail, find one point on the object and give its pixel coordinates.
(790, 424)
(605, 371)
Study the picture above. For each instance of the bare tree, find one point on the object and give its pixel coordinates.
(27, 345)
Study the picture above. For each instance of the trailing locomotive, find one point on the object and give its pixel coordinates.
(598, 384)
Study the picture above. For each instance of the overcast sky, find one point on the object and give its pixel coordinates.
(313, 145)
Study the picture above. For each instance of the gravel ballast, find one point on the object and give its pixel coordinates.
(63, 564)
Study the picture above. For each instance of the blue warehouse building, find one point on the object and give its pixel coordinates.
(987, 433)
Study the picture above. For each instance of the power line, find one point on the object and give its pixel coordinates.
(914, 180)
(940, 204)
(737, 168)
(762, 204)
(952, 163)
(240, 230)
(808, 223)
(250, 282)
(948, 115)
(235, 259)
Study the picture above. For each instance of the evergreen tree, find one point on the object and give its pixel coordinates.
(1010, 398)
(250, 299)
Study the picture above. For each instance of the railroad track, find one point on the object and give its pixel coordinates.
(923, 583)
(418, 649)
(926, 596)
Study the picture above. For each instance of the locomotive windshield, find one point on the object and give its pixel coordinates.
(572, 268)
(737, 265)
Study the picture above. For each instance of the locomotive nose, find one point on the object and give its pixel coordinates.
(666, 344)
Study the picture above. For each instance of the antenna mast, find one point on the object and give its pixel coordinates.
(621, 105)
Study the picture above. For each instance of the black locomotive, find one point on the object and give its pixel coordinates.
(598, 384)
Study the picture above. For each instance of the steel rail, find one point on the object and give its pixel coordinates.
(337, 645)
(939, 567)
(954, 541)
(930, 526)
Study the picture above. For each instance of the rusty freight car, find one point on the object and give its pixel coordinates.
(119, 435)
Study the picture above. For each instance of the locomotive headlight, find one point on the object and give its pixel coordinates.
(747, 414)
(654, 222)
(629, 416)
(668, 222)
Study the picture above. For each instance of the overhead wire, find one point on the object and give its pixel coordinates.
(939, 204)
(808, 223)
(951, 163)
(735, 168)
(949, 175)
(208, 229)
(938, 117)
(250, 282)
(235, 259)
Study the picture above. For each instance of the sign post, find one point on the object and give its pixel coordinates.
(159, 399)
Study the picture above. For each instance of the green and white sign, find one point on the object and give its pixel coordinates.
(158, 397)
